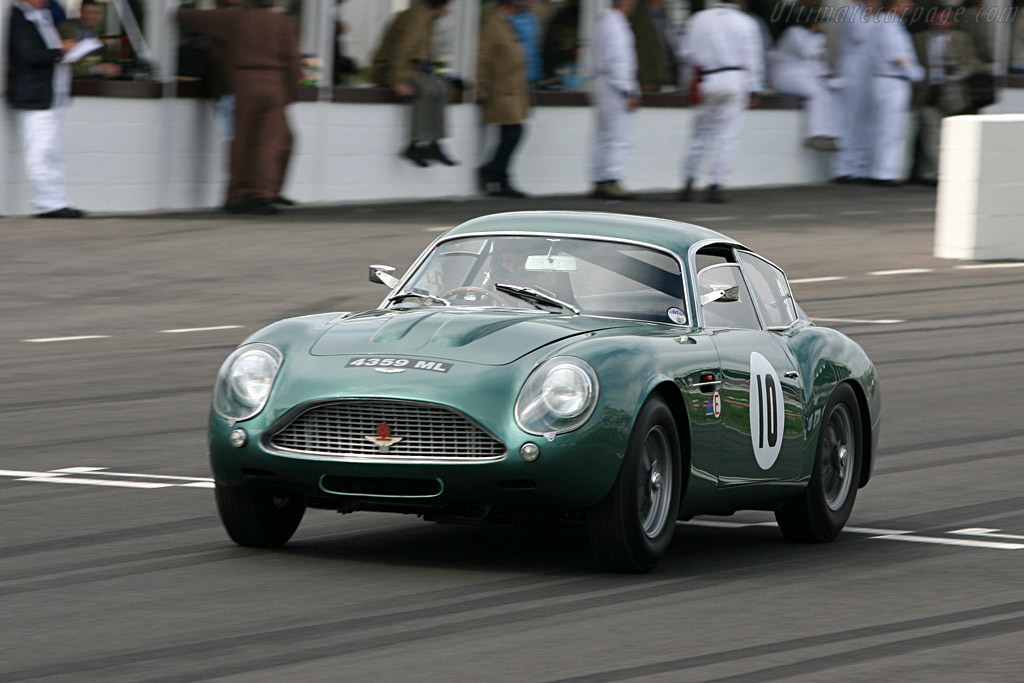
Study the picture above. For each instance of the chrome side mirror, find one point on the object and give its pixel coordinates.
(382, 275)
(721, 294)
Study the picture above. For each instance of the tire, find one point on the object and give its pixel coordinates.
(633, 526)
(259, 517)
(819, 513)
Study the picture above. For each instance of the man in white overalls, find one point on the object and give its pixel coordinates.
(616, 94)
(854, 69)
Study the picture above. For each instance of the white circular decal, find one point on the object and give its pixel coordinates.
(766, 411)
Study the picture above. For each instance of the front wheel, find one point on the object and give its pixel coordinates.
(632, 527)
(259, 517)
(819, 513)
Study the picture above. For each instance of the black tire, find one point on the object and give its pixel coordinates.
(819, 513)
(633, 526)
(259, 517)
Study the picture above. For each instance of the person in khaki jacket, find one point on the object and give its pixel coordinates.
(402, 62)
(503, 90)
(948, 58)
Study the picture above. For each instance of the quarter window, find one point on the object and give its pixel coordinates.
(770, 289)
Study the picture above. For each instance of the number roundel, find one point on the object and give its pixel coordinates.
(766, 411)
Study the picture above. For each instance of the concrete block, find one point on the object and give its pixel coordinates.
(957, 197)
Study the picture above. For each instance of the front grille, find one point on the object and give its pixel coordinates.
(423, 431)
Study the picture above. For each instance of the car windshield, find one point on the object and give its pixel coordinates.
(595, 277)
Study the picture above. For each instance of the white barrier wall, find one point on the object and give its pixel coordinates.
(980, 206)
(143, 155)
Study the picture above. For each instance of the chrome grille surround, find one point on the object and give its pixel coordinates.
(430, 433)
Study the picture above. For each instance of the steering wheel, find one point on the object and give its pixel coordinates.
(479, 291)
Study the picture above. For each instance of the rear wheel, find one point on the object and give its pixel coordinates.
(820, 512)
(259, 517)
(632, 527)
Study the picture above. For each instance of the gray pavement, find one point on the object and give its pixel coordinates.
(139, 583)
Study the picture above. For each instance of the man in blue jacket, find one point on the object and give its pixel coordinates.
(38, 89)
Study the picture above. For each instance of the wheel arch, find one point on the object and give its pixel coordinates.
(865, 431)
(669, 392)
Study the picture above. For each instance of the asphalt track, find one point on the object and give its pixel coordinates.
(118, 570)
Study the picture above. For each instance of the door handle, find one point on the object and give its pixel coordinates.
(792, 374)
(707, 383)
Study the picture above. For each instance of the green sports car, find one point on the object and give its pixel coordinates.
(619, 371)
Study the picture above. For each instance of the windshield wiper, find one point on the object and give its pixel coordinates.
(533, 296)
(416, 295)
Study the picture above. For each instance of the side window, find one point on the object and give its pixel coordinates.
(770, 289)
(731, 312)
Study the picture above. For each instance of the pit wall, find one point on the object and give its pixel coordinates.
(136, 155)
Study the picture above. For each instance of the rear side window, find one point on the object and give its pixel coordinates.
(770, 291)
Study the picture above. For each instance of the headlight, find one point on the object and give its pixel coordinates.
(559, 396)
(244, 381)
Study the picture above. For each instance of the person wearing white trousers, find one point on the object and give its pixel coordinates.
(800, 67)
(894, 68)
(38, 87)
(723, 47)
(616, 94)
(856, 25)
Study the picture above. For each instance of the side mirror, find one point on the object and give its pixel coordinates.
(382, 275)
(722, 294)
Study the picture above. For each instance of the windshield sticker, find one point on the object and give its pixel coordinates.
(399, 363)
(677, 316)
(766, 411)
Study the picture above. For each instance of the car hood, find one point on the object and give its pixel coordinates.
(487, 337)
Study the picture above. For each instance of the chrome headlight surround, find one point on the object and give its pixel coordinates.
(559, 396)
(245, 380)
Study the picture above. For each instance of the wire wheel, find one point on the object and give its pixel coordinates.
(838, 457)
(655, 482)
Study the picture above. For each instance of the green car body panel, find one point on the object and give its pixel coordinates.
(490, 352)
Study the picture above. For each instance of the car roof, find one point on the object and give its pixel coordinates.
(671, 235)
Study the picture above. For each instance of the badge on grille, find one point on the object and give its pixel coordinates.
(383, 440)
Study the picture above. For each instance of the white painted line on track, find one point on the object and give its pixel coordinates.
(807, 280)
(902, 271)
(874, 532)
(184, 330)
(102, 477)
(792, 215)
(856, 321)
(104, 471)
(47, 340)
(441, 228)
(921, 209)
(994, 545)
(60, 479)
(985, 266)
(861, 212)
(986, 533)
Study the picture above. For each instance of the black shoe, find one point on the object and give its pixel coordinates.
(506, 190)
(66, 212)
(877, 182)
(434, 151)
(262, 207)
(241, 206)
(283, 201)
(417, 154)
(714, 195)
(844, 179)
(686, 194)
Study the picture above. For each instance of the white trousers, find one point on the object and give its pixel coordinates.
(821, 104)
(42, 143)
(613, 136)
(890, 99)
(724, 98)
(858, 121)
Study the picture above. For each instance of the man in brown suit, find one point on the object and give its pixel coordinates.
(403, 63)
(503, 90)
(260, 47)
(948, 58)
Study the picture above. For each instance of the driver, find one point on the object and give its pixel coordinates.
(508, 267)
